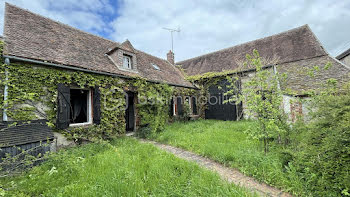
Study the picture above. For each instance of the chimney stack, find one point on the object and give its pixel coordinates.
(170, 57)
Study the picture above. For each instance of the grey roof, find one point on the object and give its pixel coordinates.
(296, 44)
(343, 54)
(32, 36)
(24, 133)
(293, 51)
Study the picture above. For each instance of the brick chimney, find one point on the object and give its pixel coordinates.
(170, 57)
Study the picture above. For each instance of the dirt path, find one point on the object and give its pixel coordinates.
(230, 174)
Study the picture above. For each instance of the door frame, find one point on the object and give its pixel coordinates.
(130, 127)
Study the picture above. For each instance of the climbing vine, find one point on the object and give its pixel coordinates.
(207, 80)
(32, 94)
(153, 103)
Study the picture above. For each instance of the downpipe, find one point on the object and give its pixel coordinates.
(4, 112)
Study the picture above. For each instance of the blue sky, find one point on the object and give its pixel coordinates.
(206, 25)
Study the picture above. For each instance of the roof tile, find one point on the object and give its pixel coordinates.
(36, 37)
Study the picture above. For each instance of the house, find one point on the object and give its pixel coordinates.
(84, 84)
(292, 52)
(344, 57)
(74, 79)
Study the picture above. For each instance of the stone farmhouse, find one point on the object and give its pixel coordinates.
(62, 78)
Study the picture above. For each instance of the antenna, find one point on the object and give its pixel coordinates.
(171, 32)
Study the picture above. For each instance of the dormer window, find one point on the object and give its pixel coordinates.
(127, 62)
(123, 56)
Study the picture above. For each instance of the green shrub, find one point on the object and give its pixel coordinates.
(324, 157)
(144, 131)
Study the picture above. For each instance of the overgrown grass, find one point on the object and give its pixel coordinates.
(122, 168)
(226, 142)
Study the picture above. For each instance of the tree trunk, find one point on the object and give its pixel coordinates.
(265, 146)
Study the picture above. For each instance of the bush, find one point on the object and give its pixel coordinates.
(144, 131)
(324, 157)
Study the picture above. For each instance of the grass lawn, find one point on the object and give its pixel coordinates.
(123, 168)
(225, 142)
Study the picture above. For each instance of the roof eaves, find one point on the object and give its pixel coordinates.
(88, 71)
(343, 54)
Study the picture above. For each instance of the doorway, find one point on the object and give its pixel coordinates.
(130, 112)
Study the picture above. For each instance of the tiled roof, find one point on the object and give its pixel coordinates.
(293, 51)
(295, 44)
(343, 54)
(24, 133)
(35, 37)
(299, 81)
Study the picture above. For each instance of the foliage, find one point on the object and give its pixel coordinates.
(323, 159)
(204, 82)
(186, 109)
(315, 163)
(262, 97)
(227, 143)
(15, 164)
(211, 75)
(154, 101)
(122, 168)
(33, 95)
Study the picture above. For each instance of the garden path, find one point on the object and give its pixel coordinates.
(229, 174)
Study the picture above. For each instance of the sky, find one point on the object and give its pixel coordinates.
(205, 25)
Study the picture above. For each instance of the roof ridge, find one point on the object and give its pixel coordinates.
(56, 21)
(227, 48)
(318, 40)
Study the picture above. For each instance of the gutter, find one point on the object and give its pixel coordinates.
(87, 70)
(4, 112)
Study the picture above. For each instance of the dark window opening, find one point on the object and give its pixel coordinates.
(130, 113)
(79, 106)
(194, 105)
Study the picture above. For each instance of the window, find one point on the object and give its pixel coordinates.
(174, 106)
(81, 108)
(188, 100)
(194, 105)
(296, 109)
(127, 62)
(155, 66)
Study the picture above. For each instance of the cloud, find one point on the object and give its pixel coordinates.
(209, 25)
(206, 25)
(87, 15)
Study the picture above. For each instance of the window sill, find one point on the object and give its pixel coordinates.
(128, 69)
(80, 124)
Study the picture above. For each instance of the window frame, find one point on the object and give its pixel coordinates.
(125, 56)
(89, 108)
(174, 106)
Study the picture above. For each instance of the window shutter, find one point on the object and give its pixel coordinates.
(171, 107)
(63, 110)
(194, 105)
(97, 105)
(179, 106)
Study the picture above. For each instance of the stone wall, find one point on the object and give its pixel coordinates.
(346, 60)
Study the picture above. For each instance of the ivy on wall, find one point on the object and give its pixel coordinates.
(32, 94)
(153, 103)
(206, 80)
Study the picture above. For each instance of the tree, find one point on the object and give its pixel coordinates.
(263, 98)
